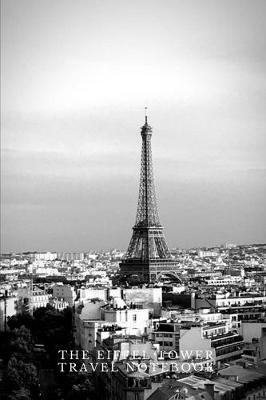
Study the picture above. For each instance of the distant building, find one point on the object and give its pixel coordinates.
(87, 293)
(59, 304)
(150, 298)
(65, 292)
(249, 312)
(70, 256)
(46, 256)
(7, 309)
(135, 320)
(225, 280)
(202, 315)
(207, 253)
(230, 245)
(225, 300)
(31, 298)
(114, 293)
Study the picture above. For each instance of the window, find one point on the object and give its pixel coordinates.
(134, 317)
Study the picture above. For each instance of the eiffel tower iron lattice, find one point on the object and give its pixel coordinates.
(148, 254)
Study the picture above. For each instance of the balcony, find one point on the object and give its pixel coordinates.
(231, 352)
(221, 342)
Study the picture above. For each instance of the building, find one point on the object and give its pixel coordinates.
(173, 390)
(135, 320)
(207, 253)
(29, 298)
(167, 335)
(150, 298)
(254, 335)
(129, 381)
(64, 292)
(222, 301)
(46, 256)
(218, 388)
(70, 256)
(114, 292)
(59, 305)
(88, 293)
(202, 315)
(253, 382)
(227, 280)
(245, 313)
(87, 320)
(91, 316)
(7, 309)
(214, 339)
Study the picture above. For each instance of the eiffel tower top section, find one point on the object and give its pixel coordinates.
(146, 129)
(147, 211)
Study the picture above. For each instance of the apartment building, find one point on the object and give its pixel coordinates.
(213, 339)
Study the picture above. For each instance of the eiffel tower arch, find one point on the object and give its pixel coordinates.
(171, 274)
(147, 255)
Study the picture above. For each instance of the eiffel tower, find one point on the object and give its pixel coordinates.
(148, 255)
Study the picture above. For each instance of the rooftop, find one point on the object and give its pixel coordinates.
(244, 375)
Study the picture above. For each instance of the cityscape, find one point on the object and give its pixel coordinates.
(133, 247)
(146, 323)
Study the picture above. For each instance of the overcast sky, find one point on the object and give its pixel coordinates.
(76, 75)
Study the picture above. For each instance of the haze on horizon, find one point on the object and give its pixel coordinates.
(76, 75)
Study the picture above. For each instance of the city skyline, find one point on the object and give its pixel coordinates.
(75, 81)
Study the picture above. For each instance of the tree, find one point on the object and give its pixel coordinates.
(12, 377)
(16, 321)
(22, 342)
(21, 374)
(20, 394)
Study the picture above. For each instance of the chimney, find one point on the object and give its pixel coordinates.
(209, 387)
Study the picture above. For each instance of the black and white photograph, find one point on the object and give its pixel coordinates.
(133, 200)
